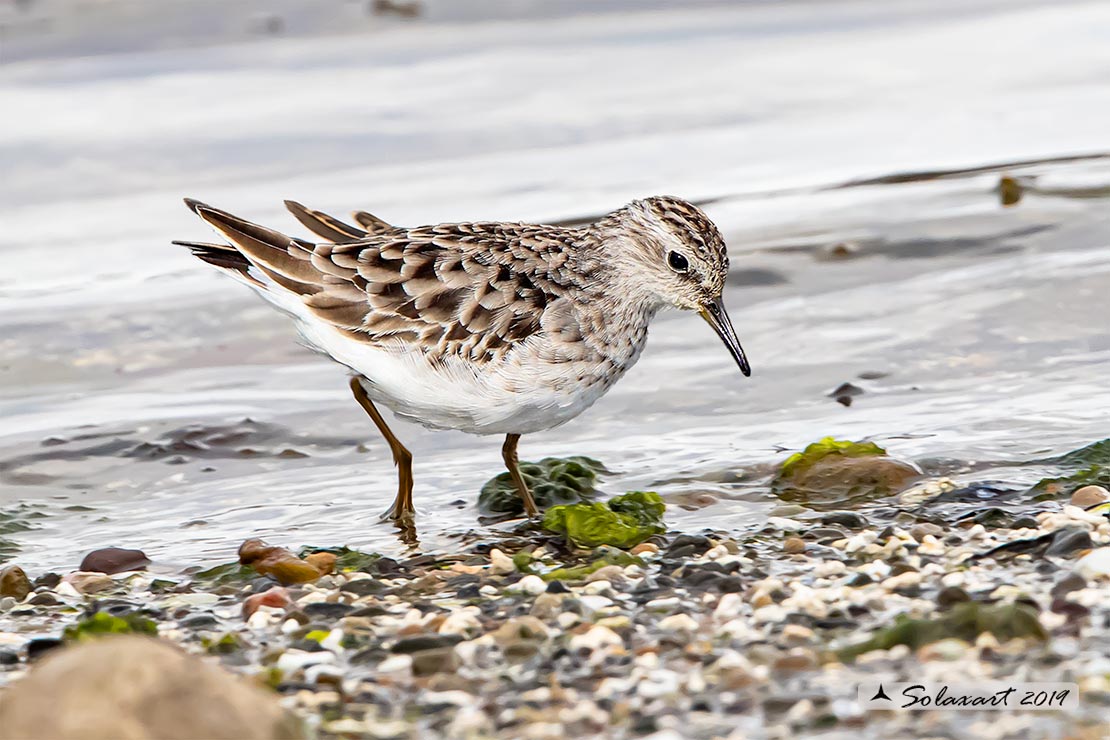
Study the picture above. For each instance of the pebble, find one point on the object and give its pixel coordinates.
(292, 660)
(113, 560)
(500, 563)
(531, 584)
(89, 583)
(678, 623)
(794, 545)
(277, 597)
(645, 548)
(14, 582)
(596, 637)
(1095, 564)
(1089, 496)
(930, 546)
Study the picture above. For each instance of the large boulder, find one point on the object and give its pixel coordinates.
(138, 688)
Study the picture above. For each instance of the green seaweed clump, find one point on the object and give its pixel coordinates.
(553, 481)
(965, 621)
(1064, 486)
(1092, 464)
(347, 559)
(103, 623)
(834, 473)
(800, 462)
(225, 645)
(1096, 453)
(623, 521)
(228, 574)
(604, 556)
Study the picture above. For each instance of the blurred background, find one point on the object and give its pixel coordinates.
(914, 196)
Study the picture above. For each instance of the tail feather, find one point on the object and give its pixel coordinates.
(282, 258)
(323, 225)
(371, 223)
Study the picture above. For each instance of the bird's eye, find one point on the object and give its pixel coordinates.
(677, 262)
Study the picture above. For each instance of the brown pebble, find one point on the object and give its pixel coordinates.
(1089, 496)
(645, 548)
(794, 545)
(920, 531)
(114, 560)
(277, 562)
(797, 659)
(14, 582)
(322, 561)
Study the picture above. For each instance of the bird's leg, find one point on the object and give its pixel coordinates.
(508, 453)
(402, 509)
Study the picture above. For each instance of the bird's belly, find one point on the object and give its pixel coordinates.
(519, 398)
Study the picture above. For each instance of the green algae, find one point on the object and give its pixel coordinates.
(227, 574)
(834, 473)
(553, 481)
(1091, 467)
(603, 556)
(103, 623)
(347, 559)
(964, 621)
(623, 521)
(800, 462)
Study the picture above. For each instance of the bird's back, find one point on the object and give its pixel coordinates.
(483, 327)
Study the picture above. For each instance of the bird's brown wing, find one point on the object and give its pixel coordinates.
(466, 290)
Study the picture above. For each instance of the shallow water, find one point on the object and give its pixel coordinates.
(127, 368)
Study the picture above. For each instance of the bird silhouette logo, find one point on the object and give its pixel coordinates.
(881, 694)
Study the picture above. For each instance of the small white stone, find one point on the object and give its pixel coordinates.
(596, 587)
(500, 563)
(295, 660)
(566, 620)
(261, 619)
(401, 663)
(597, 637)
(658, 683)
(595, 603)
(488, 590)
(1095, 564)
(533, 585)
(461, 621)
(729, 606)
(333, 641)
(678, 623)
(289, 626)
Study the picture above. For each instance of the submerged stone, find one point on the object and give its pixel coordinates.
(834, 473)
(623, 521)
(553, 481)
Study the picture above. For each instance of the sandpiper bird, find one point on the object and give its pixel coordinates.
(488, 328)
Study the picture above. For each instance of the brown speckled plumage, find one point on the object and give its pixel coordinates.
(486, 327)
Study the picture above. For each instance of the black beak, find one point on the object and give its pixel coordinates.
(715, 315)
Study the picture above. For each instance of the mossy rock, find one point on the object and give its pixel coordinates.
(623, 521)
(103, 623)
(964, 621)
(553, 481)
(833, 473)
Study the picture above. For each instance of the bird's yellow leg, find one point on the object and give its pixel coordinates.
(402, 509)
(508, 453)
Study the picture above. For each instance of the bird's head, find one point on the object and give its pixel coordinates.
(677, 256)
